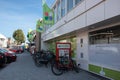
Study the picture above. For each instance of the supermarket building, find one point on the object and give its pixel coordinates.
(93, 28)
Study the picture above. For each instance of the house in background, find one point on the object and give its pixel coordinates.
(11, 42)
(3, 41)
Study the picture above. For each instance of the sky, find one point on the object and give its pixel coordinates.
(20, 14)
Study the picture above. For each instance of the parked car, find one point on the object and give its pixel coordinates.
(17, 49)
(2, 59)
(9, 55)
(13, 56)
(20, 49)
(13, 49)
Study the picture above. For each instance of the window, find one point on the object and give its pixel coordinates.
(81, 41)
(58, 11)
(77, 1)
(105, 36)
(69, 5)
(55, 14)
(62, 8)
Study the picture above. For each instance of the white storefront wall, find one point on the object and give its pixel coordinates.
(105, 55)
(86, 13)
(82, 50)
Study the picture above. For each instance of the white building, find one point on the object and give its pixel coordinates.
(93, 28)
(3, 41)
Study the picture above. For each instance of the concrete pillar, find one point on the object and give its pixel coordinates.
(38, 41)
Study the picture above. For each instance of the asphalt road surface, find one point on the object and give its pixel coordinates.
(25, 69)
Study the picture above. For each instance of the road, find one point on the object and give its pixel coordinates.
(25, 69)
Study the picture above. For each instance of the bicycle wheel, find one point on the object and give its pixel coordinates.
(75, 67)
(55, 70)
(37, 63)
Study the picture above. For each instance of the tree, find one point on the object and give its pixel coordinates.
(19, 37)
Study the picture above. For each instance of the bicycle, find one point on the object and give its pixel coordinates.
(63, 64)
(43, 57)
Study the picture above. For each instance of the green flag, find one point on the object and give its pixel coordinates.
(48, 14)
(43, 2)
(30, 30)
(30, 35)
(39, 26)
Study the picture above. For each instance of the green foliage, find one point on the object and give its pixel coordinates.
(28, 35)
(31, 35)
(19, 37)
(52, 46)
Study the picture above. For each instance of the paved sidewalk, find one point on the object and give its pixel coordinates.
(25, 69)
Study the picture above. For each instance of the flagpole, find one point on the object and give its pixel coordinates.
(39, 41)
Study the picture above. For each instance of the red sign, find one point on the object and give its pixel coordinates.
(63, 49)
